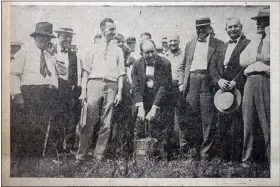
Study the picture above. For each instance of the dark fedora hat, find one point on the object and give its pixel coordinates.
(43, 28)
(203, 21)
(227, 101)
(263, 13)
(65, 30)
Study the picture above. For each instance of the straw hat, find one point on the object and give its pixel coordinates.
(227, 101)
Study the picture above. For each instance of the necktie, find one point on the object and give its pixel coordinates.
(43, 65)
(106, 50)
(261, 44)
(150, 64)
(64, 51)
(232, 41)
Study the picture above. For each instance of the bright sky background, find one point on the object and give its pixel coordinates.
(158, 20)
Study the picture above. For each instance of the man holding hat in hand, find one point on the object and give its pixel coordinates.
(34, 84)
(195, 82)
(256, 100)
(227, 75)
(68, 85)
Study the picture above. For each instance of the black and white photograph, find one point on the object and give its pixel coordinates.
(143, 91)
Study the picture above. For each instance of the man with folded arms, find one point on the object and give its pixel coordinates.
(195, 82)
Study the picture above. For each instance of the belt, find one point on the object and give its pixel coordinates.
(258, 73)
(101, 79)
(199, 71)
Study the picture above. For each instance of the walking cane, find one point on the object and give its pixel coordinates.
(47, 136)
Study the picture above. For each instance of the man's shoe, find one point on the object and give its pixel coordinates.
(78, 163)
(246, 165)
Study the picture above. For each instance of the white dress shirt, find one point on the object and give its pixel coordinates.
(252, 60)
(175, 59)
(25, 68)
(62, 59)
(230, 48)
(199, 61)
(105, 61)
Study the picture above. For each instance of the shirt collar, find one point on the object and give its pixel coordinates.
(174, 54)
(237, 39)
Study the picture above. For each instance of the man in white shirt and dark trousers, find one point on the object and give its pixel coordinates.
(34, 85)
(256, 100)
(227, 74)
(175, 56)
(68, 86)
(102, 87)
(195, 82)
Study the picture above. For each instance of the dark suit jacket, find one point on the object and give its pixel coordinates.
(162, 81)
(185, 66)
(234, 70)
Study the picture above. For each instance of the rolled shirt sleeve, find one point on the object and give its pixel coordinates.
(17, 66)
(120, 62)
(87, 61)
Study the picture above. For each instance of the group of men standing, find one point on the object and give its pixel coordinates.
(171, 90)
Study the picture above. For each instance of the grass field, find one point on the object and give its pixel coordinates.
(50, 167)
(65, 167)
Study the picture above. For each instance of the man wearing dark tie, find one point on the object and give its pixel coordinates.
(195, 82)
(227, 74)
(34, 86)
(256, 100)
(152, 85)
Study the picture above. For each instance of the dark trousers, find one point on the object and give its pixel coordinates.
(122, 134)
(69, 114)
(40, 110)
(160, 128)
(230, 133)
(256, 104)
(179, 116)
(199, 115)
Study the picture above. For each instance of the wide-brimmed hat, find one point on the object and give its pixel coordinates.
(263, 13)
(203, 21)
(227, 101)
(43, 28)
(65, 30)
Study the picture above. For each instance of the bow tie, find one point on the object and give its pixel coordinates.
(232, 41)
(64, 50)
(201, 40)
(150, 64)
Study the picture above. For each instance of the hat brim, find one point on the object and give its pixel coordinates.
(197, 25)
(259, 17)
(42, 33)
(236, 103)
(58, 31)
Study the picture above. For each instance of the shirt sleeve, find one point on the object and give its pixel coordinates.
(120, 60)
(17, 66)
(87, 61)
(248, 56)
